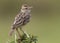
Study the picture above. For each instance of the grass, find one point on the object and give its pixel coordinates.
(25, 39)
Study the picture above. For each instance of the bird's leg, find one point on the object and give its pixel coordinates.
(18, 34)
(24, 32)
(21, 29)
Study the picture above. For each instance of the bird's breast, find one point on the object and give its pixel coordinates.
(26, 19)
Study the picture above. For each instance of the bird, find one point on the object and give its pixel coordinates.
(21, 19)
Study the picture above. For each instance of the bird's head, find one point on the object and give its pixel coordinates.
(26, 8)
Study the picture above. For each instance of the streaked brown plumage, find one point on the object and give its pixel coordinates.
(22, 18)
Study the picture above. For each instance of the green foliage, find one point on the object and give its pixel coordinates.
(25, 39)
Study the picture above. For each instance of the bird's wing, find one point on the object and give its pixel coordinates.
(18, 19)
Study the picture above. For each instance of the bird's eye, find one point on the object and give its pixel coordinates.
(26, 8)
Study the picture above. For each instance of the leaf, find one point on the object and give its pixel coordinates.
(30, 39)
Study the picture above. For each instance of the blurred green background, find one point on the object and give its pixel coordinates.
(45, 21)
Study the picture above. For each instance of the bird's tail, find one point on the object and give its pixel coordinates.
(8, 40)
(12, 30)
